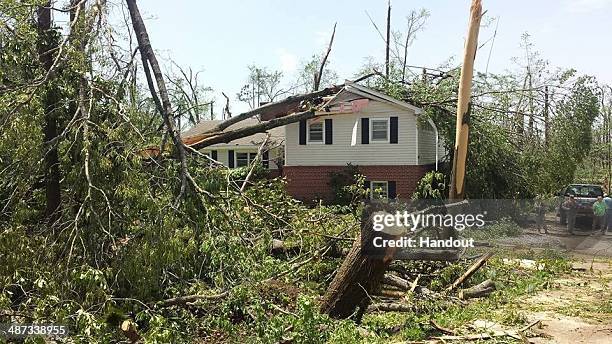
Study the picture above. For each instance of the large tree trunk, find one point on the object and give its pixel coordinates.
(46, 47)
(457, 187)
(358, 277)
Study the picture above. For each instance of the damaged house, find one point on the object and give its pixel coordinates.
(378, 134)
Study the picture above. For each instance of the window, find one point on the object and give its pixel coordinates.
(315, 132)
(380, 190)
(244, 159)
(379, 130)
(584, 191)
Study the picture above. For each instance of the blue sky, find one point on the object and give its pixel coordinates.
(222, 38)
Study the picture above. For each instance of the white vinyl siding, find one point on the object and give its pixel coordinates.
(427, 145)
(342, 152)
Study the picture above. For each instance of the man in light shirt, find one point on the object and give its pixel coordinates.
(608, 221)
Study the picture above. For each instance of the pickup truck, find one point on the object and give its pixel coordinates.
(585, 195)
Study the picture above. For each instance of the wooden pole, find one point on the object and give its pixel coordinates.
(457, 189)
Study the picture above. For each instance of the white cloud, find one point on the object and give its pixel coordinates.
(288, 61)
(585, 6)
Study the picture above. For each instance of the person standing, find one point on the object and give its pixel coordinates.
(608, 221)
(599, 212)
(541, 213)
(570, 208)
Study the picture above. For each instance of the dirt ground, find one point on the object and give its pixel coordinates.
(578, 307)
(585, 241)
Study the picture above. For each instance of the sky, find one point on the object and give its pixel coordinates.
(221, 38)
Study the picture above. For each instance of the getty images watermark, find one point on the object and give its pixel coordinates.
(404, 222)
(407, 233)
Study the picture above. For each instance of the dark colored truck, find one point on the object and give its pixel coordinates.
(585, 195)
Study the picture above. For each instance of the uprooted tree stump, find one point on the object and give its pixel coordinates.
(360, 275)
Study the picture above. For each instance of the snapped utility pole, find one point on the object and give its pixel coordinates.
(457, 189)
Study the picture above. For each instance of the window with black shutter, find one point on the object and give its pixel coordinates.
(329, 131)
(393, 125)
(302, 133)
(365, 130)
(230, 158)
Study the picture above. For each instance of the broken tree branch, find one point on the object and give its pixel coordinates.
(483, 289)
(149, 58)
(319, 75)
(184, 300)
(469, 272)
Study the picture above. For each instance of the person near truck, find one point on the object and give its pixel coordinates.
(540, 215)
(599, 212)
(570, 207)
(608, 224)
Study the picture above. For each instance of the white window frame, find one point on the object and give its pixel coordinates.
(308, 141)
(372, 189)
(249, 158)
(372, 120)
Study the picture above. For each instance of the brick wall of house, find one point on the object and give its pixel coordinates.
(308, 183)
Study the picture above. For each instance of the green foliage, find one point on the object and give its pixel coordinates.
(431, 186)
(339, 181)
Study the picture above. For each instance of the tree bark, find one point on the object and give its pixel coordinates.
(148, 57)
(483, 289)
(319, 76)
(457, 187)
(457, 190)
(46, 46)
(358, 277)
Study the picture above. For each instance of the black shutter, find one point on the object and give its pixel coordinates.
(230, 158)
(365, 131)
(329, 131)
(393, 134)
(213, 154)
(303, 132)
(266, 159)
(392, 189)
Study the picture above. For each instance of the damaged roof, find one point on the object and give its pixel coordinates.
(276, 134)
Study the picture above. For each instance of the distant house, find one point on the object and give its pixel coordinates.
(363, 127)
(359, 126)
(242, 152)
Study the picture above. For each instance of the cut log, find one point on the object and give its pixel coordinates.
(396, 294)
(396, 281)
(390, 307)
(480, 290)
(128, 328)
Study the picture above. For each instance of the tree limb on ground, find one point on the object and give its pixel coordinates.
(469, 272)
